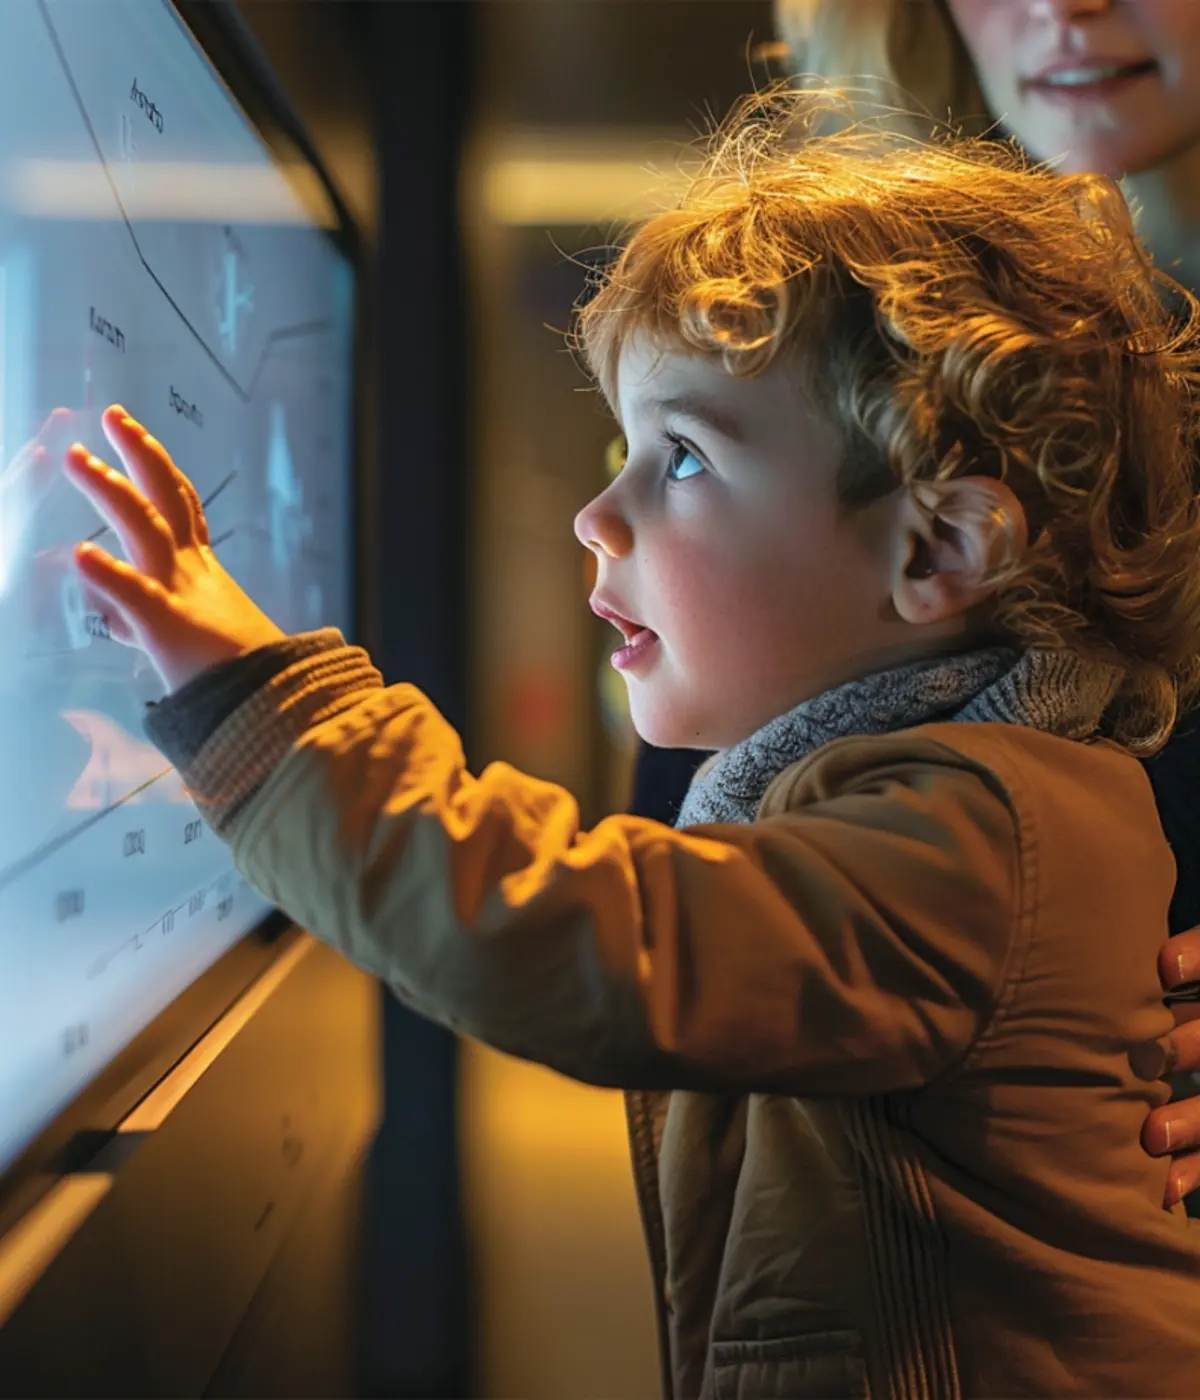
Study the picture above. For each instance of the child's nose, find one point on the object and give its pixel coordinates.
(601, 527)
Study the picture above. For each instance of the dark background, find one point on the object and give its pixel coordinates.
(393, 94)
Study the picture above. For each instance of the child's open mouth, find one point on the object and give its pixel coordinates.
(639, 641)
(636, 649)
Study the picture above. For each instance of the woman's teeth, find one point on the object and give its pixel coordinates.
(1084, 77)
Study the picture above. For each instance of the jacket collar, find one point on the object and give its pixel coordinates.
(1054, 691)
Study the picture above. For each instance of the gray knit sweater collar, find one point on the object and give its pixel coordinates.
(1054, 691)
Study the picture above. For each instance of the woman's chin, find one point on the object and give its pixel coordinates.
(1103, 153)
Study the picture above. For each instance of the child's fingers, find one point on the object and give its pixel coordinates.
(119, 629)
(140, 602)
(144, 534)
(149, 464)
(98, 604)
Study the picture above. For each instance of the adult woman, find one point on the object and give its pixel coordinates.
(1111, 86)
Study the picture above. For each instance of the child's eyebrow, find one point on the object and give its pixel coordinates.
(703, 411)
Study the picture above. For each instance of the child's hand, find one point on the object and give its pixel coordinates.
(173, 599)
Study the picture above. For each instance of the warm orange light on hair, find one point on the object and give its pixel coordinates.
(959, 312)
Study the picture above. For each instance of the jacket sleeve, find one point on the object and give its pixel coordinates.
(855, 943)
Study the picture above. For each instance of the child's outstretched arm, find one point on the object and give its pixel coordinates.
(856, 943)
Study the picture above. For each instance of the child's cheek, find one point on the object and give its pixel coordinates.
(717, 608)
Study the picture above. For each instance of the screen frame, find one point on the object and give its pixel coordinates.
(82, 1128)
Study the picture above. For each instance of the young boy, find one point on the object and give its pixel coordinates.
(906, 531)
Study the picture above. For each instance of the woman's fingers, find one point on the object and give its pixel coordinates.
(1184, 1178)
(149, 464)
(145, 536)
(1181, 1046)
(1177, 1052)
(1179, 959)
(1174, 1130)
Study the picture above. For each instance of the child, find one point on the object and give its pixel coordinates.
(906, 532)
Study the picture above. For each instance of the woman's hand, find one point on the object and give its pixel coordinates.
(173, 599)
(1175, 1127)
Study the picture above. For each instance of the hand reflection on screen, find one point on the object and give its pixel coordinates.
(119, 768)
(45, 610)
(24, 483)
(68, 714)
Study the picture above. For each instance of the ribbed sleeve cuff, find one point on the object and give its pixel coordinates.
(227, 730)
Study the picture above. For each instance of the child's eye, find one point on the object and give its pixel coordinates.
(682, 463)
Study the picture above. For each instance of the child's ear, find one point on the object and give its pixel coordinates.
(953, 537)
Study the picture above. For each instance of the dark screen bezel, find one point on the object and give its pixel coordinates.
(75, 1134)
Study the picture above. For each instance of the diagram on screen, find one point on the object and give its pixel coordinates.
(137, 267)
(233, 291)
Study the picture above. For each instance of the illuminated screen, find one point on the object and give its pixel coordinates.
(153, 253)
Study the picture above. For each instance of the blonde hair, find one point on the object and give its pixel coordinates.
(898, 50)
(976, 315)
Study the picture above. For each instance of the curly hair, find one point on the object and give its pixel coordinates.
(975, 315)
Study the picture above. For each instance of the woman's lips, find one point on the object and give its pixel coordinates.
(1089, 81)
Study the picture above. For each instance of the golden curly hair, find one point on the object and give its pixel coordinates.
(974, 315)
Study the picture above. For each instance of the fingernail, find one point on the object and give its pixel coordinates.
(1181, 974)
(1168, 1133)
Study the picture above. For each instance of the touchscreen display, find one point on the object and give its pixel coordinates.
(153, 253)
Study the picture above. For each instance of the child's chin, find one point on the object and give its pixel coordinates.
(667, 731)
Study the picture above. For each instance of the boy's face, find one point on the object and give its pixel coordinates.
(722, 540)
(1113, 88)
